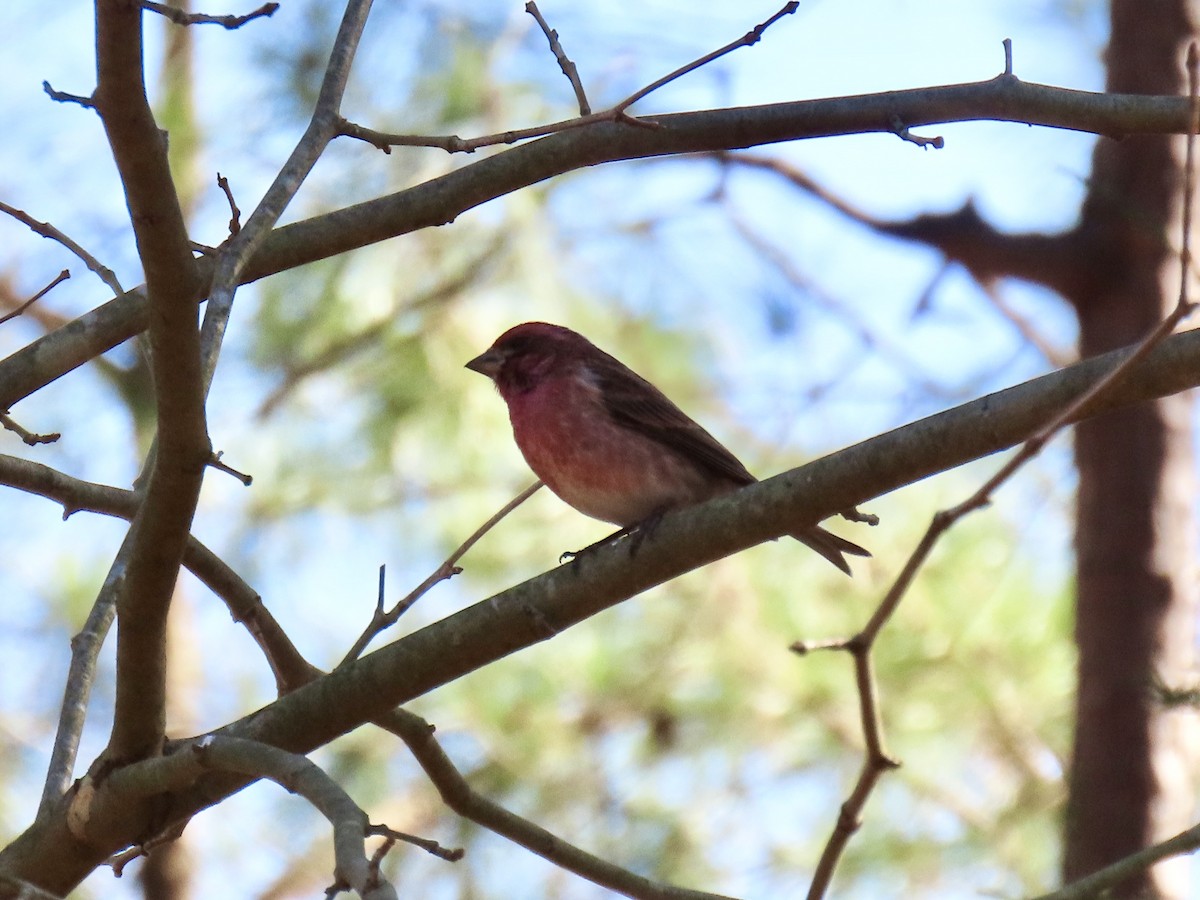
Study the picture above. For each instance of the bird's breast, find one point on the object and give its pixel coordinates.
(597, 466)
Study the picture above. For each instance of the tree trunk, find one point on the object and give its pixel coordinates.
(1130, 781)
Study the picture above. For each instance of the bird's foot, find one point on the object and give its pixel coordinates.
(643, 530)
(575, 554)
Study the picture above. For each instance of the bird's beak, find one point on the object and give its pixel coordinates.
(486, 363)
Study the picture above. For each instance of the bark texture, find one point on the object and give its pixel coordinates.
(1130, 781)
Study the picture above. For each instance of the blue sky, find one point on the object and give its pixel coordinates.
(1022, 178)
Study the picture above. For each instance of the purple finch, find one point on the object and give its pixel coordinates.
(608, 442)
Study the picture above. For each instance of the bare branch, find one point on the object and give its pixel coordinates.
(179, 17)
(564, 62)
(456, 793)
(431, 847)
(291, 771)
(59, 279)
(77, 693)
(63, 97)
(442, 199)
(753, 36)
(1096, 884)
(46, 230)
(448, 569)
(29, 437)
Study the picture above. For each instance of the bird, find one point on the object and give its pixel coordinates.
(608, 442)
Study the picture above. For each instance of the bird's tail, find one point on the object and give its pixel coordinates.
(830, 546)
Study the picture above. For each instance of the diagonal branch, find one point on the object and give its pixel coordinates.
(58, 279)
(46, 230)
(440, 200)
(322, 128)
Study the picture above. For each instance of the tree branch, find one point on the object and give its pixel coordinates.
(440, 200)
(194, 759)
(525, 614)
(160, 531)
(322, 128)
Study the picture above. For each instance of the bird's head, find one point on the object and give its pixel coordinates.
(528, 353)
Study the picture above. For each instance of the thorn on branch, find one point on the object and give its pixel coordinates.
(853, 515)
(1008, 65)
(901, 130)
(235, 214)
(803, 648)
(64, 97)
(179, 17)
(215, 462)
(28, 437)
(61, 277)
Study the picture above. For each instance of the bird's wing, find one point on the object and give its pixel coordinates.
(636, 404)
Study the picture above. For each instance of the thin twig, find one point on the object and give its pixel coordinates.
(382, 620)
(456, 792)
(59, 279)
(564, 62)
(46, 230)
(751, 37)
(215, 462)
(902, 131)
(29, 437)
(450, 854)
(235, 214)
(455, 144)
(180, 17)
(322, 128)
(64, 97)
